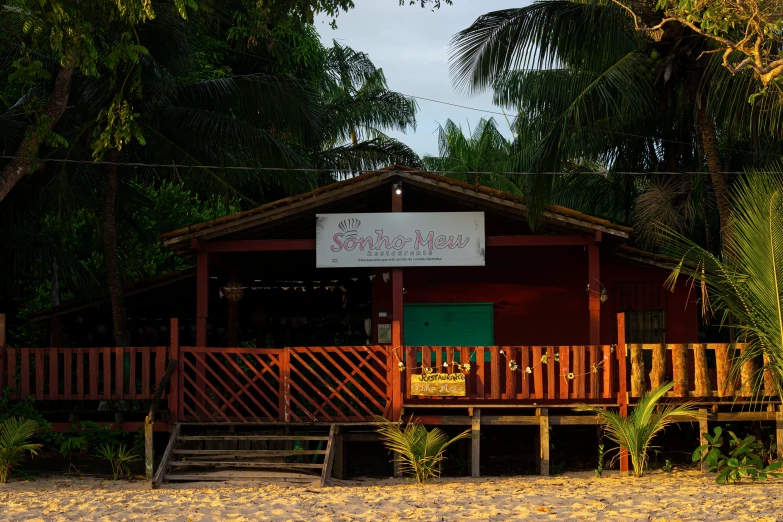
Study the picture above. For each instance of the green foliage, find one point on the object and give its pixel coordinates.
(746, 281)
(119, 457)
(635, 432)
(750, 34)
(15, 435)
(484, 149)
(420, 451)
(667, 466)
(599, 470)
(742, 462)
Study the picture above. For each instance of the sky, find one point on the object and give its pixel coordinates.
(410, 44)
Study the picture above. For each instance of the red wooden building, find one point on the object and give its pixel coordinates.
(549, 316)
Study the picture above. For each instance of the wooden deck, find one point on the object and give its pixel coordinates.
(345, 384)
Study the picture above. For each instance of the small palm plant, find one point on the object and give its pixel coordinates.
(120, 458)
(635, 432)
(15, 435)
(421, 451)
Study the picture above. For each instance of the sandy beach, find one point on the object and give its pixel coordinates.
(576, 496)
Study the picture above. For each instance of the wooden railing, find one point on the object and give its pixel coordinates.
(98, 374)
(356, 383)
(304, 384)
(500, 373)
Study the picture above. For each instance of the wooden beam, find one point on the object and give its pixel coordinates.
(622, 391)
(475, 449)
(538, 240)
(258, 245)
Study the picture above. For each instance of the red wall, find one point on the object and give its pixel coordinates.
(540, 294)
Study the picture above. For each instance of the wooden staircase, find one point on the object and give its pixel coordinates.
(198, 452)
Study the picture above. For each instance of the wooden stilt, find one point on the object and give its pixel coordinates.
(339, 466)
(703, 430)
(779, 431)
(543, 441)
(624, 464)
(475, 453)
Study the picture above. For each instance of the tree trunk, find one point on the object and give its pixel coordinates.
(27, 152)
(111, 257)
(720, 182)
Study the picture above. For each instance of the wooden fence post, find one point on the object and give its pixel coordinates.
(680, 369)
(701, 377)
(637, 370)
(285, 385)
(658, 366)
(779, 431)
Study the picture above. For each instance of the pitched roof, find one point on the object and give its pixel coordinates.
(264, 215)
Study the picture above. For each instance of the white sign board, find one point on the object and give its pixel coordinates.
(396, 239)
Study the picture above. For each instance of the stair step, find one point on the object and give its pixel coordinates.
(247, 453)
(240, 475)
(213, 463)
(252, 437)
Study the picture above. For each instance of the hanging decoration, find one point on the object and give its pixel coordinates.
(233, 290)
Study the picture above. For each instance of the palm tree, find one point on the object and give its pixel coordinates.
(484, 149)
(746, 280)
(591, 88)
(635, 432)
(358, 108)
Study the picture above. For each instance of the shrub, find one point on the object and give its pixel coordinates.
(120, 458)
(635, 432)
(421, 451)
(743, 460)
(15, 434)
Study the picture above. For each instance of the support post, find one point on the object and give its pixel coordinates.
(202, 312)
(703, 430)
(622, 390)
(543, 441)
(175, 402)
(397, 324)
(475, 449)
(233, 310)
(594, 286)
(2, 330)
(202, 298)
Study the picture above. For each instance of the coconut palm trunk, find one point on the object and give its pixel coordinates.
(110, 254)
(720, 183)
(27, 153)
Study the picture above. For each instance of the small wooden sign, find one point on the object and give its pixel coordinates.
(439, 384)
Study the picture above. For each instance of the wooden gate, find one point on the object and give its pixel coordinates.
(307, 384)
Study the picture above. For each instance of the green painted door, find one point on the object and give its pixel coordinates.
(448, 324)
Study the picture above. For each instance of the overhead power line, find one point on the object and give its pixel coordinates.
(362, 171)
